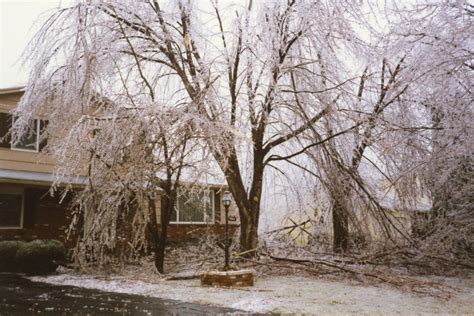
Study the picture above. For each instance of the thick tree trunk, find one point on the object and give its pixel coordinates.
(160, 249)
(160, 233)
(156, 238)
(249, 231)
(248, 204)
(249, 211)
(340, 224)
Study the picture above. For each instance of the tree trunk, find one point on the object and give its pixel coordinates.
(155, 235)
(248, 205)
(249, 232)
(160, 233)
(340, 224)
(160, 249)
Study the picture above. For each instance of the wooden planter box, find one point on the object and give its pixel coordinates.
(228, 278)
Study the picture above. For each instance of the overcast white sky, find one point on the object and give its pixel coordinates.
(19, 21)
(17, 26)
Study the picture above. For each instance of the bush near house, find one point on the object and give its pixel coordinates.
(8, 250)
(35, 257)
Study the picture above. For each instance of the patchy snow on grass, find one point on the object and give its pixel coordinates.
(284, 294)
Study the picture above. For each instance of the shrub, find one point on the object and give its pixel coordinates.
(8, 251)
(40, 256)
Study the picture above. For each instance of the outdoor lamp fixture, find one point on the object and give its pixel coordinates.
(226, 199)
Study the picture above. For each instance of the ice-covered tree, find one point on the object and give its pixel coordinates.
(133, 149)
(234, 65)
(412, 108)
(263, 84)
(439, 34)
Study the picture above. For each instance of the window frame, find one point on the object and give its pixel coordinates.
(213, 208)
(37, 139)
(22, 213)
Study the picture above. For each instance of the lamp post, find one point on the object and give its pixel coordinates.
(242, 277)
(226, 199)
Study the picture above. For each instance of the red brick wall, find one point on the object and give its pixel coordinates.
(43, 217)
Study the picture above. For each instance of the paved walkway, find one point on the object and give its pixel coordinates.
(19, 296)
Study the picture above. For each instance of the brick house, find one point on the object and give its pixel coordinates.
(29, 211)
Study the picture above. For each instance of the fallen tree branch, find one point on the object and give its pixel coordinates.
(288, 227)
(417, 286)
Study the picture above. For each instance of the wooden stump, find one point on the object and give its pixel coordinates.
(235, 278)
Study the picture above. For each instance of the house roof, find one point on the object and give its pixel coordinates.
(37, 177)
(12, 90)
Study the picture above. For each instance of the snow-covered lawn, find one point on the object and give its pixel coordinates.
(285, 294)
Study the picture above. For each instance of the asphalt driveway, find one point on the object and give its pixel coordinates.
(20, 296)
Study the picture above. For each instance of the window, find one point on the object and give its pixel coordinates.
(5, 125)
(194, 207)
(29, 142)
(11, 210)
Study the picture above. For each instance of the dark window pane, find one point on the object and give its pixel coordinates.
(5, 125)
(10, 210)
(29, 139)
(43, 140)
